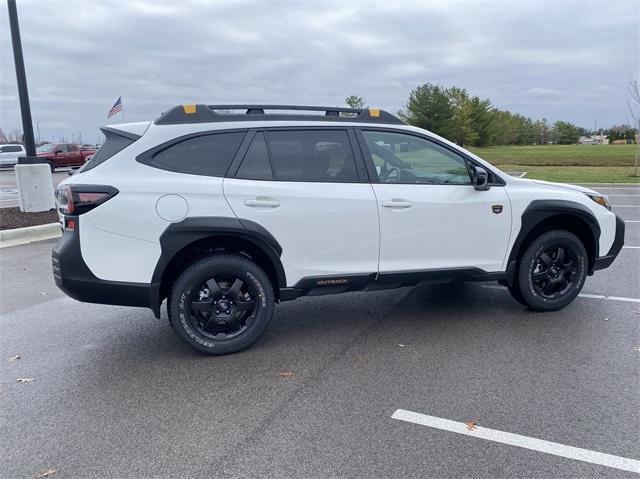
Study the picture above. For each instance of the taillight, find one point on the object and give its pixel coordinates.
(78, 199)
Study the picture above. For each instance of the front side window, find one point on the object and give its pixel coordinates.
(312, 156)
(408, 159)
(62, 148)
(208, 155)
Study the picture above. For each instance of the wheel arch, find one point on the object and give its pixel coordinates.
(546, 215)
(183, 242)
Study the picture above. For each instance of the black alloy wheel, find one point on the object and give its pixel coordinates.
(223, 307)
(221, 304)
(555, 271)
(552, 271)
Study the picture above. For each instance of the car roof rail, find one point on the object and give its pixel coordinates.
(200, 113)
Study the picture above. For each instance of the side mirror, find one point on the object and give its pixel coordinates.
(480, 178)
(58, 151)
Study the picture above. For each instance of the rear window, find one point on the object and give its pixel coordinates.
(10, 149)
(208, 155)
(113, 144)
(312, 156)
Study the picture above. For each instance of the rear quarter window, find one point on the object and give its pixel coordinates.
(207, 155)
(114, 143)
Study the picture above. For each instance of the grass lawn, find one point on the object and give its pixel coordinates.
(566, 163)
(577, 174)
(559, 155)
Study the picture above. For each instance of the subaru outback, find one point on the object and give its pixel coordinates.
(225, 210)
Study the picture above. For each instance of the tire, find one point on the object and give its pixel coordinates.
(52, 166)
(516, 294)
(211, 313)
(552, 271)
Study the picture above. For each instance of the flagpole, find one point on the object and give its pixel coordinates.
(122, 109)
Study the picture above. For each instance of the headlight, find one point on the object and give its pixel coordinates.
(601, 200)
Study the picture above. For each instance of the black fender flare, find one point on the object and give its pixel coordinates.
(540, 210)
(179, 235)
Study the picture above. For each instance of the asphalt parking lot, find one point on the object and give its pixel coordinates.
(116, 394)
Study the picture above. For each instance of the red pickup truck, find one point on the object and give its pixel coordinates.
(64, 154)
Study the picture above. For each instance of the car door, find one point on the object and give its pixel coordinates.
(61, 155)
(73, 157)
(431, 217)
(304, 187)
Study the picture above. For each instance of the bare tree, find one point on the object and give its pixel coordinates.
(634, 108)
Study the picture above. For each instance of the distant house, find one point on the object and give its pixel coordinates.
(593, 140)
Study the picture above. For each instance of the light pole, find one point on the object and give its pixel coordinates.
(23, 93)
(38, 128)
(33, 175)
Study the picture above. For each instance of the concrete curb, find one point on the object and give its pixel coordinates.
(29, 234)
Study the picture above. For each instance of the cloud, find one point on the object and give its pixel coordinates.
(541, 59)
(543, 92)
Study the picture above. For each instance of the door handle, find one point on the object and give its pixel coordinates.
(253, 202)
(397, 204)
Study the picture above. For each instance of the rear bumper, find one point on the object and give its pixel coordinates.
(73, 276)
(605, 261)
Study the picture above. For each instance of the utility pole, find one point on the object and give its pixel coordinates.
(23, 94)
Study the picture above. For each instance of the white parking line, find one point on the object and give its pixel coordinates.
(581, 295)
(631, 247)
(548, 447)
(625, 206)
(625, 195)
(632, 221)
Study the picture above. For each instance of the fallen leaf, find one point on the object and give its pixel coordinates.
(24, 380)
(46, 472)
(605, 319)
(402, 345)
(360, 359)
(13, 358)
(471, 425)
(286, 374)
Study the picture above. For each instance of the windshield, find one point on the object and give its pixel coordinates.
(46, 148)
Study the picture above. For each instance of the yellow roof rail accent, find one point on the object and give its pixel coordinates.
(189, 109)
(374, 112)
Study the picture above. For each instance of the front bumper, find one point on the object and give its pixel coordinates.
(73, 276)
(605, 261)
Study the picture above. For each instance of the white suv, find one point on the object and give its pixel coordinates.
(226, 210)
(9, 155)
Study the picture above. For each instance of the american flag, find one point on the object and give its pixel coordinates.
(117, 106)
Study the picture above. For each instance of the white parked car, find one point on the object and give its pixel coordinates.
(10, 153)
(225, 214)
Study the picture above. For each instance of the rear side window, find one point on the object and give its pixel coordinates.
(10, 149)
(113, 144)
(312, 156)
(255, 165)
(208, 155)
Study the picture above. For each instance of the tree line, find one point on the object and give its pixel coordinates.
(472, 121)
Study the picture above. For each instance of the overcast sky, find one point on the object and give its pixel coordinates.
(555, 59)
